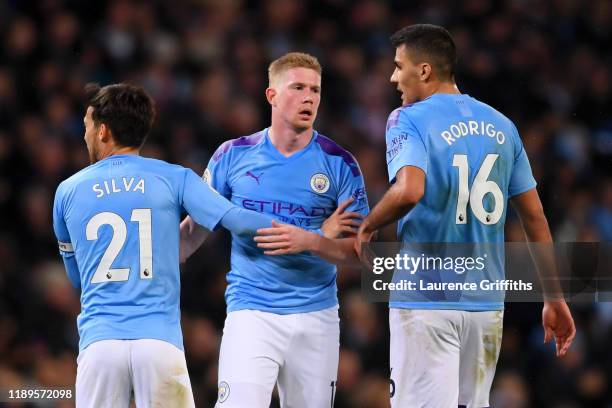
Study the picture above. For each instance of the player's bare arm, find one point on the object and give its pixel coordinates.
(339, 224)
(193, 236)
(401, 197)
(237, 220)
(285, 239)
(556, 316)
(342, 223)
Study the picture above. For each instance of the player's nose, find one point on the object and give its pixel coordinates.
(308, 98)
(394, 76)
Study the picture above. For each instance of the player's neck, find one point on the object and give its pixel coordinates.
(443, 88)
(288, 141)
(119, 150)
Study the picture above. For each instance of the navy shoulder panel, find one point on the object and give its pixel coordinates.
(333, 149)
(250, 140)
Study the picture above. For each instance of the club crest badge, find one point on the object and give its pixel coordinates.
(224, 391)
(319, 183)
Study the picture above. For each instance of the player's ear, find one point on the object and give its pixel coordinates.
(425, 72)
(104, 133)
(270, 94)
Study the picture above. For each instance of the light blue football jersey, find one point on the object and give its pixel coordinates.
(303, 190)
(474, 161)
(120, 219)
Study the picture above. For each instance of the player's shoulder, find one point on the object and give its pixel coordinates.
(333, 150)
(497, 117)
(173, 173)
(490, 110)
(161, 165)
(74, 180)
(241, 143)
(393, 118)
(405, 115)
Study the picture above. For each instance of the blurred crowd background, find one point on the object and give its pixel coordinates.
(545, 64)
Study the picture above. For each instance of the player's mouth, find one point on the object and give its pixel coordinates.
(305, 114)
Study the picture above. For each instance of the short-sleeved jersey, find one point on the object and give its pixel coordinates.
(302, 189)
(474, 161)
(120, 219)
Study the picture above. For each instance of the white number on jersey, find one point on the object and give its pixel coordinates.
(480, 188)
(104, 272)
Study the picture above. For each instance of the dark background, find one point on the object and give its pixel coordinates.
(545, 64)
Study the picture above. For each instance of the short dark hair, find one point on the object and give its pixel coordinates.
(126, 109)
(429, 43)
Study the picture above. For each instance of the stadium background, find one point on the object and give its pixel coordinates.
(545, 64)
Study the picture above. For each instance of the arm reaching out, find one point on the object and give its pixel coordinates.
(209, 209)
(403, 195)
(342, 223)
(284, 239)
(236, 220)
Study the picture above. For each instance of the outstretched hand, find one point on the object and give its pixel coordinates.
(558, 324)
(341, 222)
(364, 253)
(284, 239)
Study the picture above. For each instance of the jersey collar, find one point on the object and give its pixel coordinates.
(270, 146)
(117, 156)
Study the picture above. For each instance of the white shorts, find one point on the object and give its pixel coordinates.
(443, 358)
(298, 351)
(109, 370)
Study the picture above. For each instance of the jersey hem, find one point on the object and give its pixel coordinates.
(289, 310)
(470, 307)
(101, 338)
(522, 191)
(391, 179)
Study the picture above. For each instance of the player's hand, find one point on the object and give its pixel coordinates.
(558, 324)
(341, 222)
(363, 238)
(284, 239)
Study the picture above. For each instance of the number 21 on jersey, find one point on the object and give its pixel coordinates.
(104, 272)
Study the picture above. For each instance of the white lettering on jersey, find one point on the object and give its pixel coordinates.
(140, 186)
(117, 186)
(472, 128)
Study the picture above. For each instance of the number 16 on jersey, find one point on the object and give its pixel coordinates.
(480, 187)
